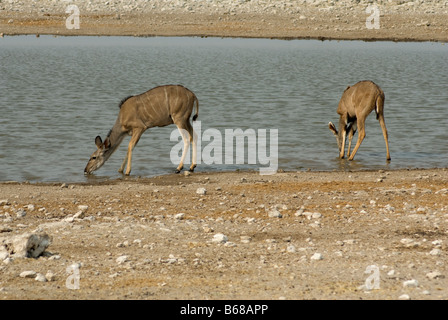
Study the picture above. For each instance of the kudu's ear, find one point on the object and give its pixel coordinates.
(98, 142)
(332, 127)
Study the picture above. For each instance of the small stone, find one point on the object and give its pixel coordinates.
(274, 214)
(50, 276)
(220, 238)
(410, 283)
(28, 274)
(404, 297)
(4, 255)
(83, 208)
(40, 277)
(20, 213)
(435, 252)
(78, 215)
(201, 191)
(122, 259)
(290, 248)
(434, 275)
(317, 256)
(179, 216)
(316, 215)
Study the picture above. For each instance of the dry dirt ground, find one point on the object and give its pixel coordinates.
(310, 24)
(292, 235)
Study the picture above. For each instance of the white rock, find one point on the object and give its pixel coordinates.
(404, 297)
(3, 255)
(201, 191)
(122, 259)
(291, 248)
(20, 213)
(316, 215)
(83, 208)
(78, 215)
(220, 238)
(434, 275)
(40, 277)
(179, 216)
(28, 274)
(435, 252)
(410, 283)
(274, 214)
(50, 276)
(317, 256)
(28, 245)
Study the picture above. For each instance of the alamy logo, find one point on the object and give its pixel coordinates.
(373, 21)
(232, 148)
(72, 281)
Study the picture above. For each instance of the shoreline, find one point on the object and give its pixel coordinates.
(408, 21)
(182, 174)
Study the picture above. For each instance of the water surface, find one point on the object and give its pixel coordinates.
(58, 93)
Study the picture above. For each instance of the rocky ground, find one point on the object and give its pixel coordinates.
(318, 19)
(234, 235)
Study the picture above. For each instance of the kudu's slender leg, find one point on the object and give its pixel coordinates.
(123, 164)
(194, 140)
(350, 137)
(343, 131)
(361, 136)
(185, 138)
(385, 135)
(188, 136)
(136, 134)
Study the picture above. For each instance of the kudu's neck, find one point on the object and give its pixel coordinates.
(115, 136)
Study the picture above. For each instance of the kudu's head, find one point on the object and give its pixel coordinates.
(340, 135)
(100, 155)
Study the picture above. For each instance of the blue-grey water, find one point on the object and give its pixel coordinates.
(58, 93)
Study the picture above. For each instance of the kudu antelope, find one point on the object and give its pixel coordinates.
(356, 103)
(158, 107)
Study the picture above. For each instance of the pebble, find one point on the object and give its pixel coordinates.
(434, 275)
(404, 297)
(274, 214)
(40, 277)
(435, 252)
(220, 238)
(83, 208)
(179, 216)
(28, 274)
(317, 256)
(410, 283)
(122, 259)
(201, 191)
(50, 276)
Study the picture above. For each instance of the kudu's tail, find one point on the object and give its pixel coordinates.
(379, 105)
(197, 108)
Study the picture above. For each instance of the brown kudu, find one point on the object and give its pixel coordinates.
(158, 107)
(356, 103)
